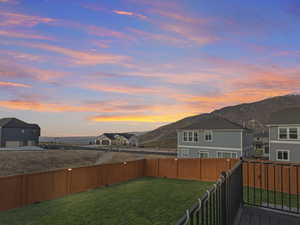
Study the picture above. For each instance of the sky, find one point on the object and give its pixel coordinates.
(84, 67)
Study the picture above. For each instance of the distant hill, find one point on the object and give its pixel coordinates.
(253, 115)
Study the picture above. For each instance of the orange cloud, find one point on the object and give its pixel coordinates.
(12, 84)
(138, 118)
(82, 57)
(123, 12)
(126, 13)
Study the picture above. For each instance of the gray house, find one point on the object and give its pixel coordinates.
(284, 129)
(214, 137)
(17, 133)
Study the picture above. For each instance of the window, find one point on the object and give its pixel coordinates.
(190, 136)
(202, 154)
(195, 136)
(283, 155)
(23, 131)
(208, 136)
(293, 133)
(184, 136)
(282, 133)
(232, 155)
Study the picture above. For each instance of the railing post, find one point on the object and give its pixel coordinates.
(224, 209)
(242, 182)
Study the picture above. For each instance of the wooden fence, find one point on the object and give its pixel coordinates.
(279, 177)
(193, 169)
(21, 190)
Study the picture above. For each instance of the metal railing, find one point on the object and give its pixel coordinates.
(272, 185)
(220, 204)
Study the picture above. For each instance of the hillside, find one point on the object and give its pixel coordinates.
(253, 115)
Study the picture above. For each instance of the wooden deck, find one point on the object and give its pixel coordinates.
(259, 216)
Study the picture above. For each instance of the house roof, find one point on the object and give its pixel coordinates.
(111, 136)
(16, 123)
(212, 121)
(285, 116)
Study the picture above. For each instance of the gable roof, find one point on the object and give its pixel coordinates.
(16, 123)
(285, 116)
(212, 121)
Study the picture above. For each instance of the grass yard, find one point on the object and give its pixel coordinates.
(146, 201)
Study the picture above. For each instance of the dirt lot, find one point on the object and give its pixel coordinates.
(19, 162)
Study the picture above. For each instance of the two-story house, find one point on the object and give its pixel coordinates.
(284, 129)
(17, 133)
(214, 137)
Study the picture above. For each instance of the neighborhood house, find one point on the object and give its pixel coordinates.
(284, 129)
(115, 139)
(17, 133)
(214, 137)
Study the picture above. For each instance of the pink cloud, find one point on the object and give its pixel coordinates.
(82, 57)
(123, 89)
(23, 35)
(13, 84)
(22, 20)
(23, 56)
(10, 69)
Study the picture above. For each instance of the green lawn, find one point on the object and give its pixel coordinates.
(146, 201)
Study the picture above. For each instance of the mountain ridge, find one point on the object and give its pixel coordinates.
(253, 115)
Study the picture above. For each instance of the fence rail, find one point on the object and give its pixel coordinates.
(220, 204)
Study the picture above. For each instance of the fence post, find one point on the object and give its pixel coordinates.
(223, 199)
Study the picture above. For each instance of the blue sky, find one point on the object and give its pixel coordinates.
(87, 67)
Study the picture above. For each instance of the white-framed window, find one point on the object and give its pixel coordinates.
(208, 135)
(184, 136)
(283, 133)
(283, 155)
(185, 153)
(190, 136)
(232, 155)
(202, 154)
(195, 136)
(288, 133)
(293, 133)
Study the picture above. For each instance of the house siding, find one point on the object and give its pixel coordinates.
(293, 147)
(223, 141)
(15, 134)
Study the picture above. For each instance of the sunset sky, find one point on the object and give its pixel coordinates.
(84, 67)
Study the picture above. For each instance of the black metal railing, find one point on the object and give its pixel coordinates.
(272, 185)
(220, 204)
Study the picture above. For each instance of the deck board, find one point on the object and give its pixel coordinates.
(259, 216)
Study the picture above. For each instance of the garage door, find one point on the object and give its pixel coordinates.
(13, 144)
